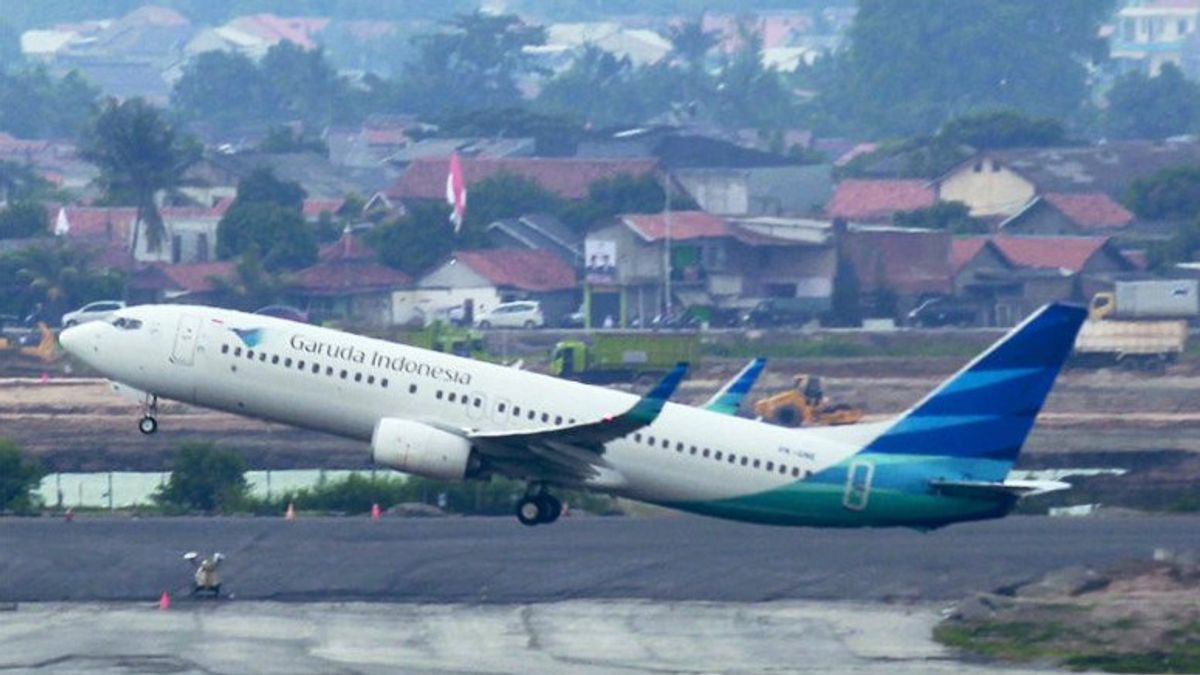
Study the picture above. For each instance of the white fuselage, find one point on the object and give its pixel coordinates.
(345, 384)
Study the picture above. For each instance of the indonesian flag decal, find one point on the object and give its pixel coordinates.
(456, 192)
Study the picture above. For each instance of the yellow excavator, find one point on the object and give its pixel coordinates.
(45, 350)
(805, 405)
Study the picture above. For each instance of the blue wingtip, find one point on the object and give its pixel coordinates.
(652, 404)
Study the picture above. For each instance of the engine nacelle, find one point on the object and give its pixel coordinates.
(418, 448)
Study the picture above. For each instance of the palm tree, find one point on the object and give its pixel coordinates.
(138, 155)
(60, 276)
(251, 285)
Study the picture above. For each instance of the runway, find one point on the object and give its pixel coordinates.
(497, 561)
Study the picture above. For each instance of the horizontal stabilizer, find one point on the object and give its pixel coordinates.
(992, 491)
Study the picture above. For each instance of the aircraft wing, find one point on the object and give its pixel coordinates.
(573, 452)
(729, 398)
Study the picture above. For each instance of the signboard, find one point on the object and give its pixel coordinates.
(600, 261)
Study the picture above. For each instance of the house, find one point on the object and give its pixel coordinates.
(723, 177)
(538, 231)
(216, 175)
(189, 283)
(348, 284)
(1151, 33)
(896, 267)
(190, 233)
(569, 178)
(715, 263)
(479, 280)
(1012, 276)
(1057, 213)
(876, 201)
(1003, 182)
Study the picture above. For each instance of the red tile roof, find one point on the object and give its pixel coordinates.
(568, 178)
(1092, 210)
(297, 30)
(963, 251)
(684, 225)
(347, 247)
(526, 270)
(197, 277)
(98, 223)
(877, 200)
(313, 208)
(350, 276)
(905, 261)
(1067, 253)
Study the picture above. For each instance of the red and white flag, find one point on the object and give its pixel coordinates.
(456, 192)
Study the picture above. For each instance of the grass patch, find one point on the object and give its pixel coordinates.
(1010, 641)
(1171, 661)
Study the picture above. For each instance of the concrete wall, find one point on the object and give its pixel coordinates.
(987, 187)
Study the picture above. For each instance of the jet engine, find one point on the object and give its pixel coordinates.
(418, 448)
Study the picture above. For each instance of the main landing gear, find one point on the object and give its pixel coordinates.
(149, 422)
(538, 507)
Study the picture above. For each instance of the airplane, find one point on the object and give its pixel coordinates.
(945, 460)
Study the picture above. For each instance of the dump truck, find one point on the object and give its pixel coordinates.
(622, 357)
(805, 405)
(1140, 324)
(447, 338)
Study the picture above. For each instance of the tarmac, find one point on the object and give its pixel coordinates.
(586, 595)
(496, 560)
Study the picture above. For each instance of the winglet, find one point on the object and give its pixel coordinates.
(729, 399)
(650, 405)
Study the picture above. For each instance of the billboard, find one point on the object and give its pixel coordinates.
(600, 261)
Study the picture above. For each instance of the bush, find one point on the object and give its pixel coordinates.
(18, 479)
(205, 478)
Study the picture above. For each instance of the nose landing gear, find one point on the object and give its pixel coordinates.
(149, 422)
(538, 507)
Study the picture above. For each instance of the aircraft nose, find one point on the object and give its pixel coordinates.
(74, 340)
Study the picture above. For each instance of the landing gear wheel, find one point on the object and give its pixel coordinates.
(530, 511)
(148, 425)
(551, 509)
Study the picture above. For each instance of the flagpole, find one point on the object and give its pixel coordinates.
(667, 248)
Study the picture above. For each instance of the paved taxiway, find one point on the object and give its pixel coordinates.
(496, 560)
(581, 636)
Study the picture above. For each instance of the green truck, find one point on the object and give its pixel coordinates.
(623, 357)
(441, 337)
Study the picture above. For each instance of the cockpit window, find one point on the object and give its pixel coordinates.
(127, 324)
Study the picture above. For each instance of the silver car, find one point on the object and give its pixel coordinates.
(100, 310)
(523, 314)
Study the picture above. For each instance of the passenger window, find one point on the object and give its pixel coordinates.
(693, 449)
(795, 472)
(383, 383)
(466, 399)
(745, 461)
(783, 469)
(300, 365)
(262, 356)
(412, 388)
(571, 421)
(250, 354)
(717, 455)
(666, 444)
(650, 441)
(370, 379)
(345, 374)
(757, 463)
(275, 359)
(545, 417)
(316, 369)
(637, 438)
(287, 362)
(358, 377)
(558, 419)
(478, 402)
(452, 397)
(733, 460)
(224, 349)
(501, 407)
(516, 411)
(237, 352)
(770, 466)
(439, 395)
(329, 371)
(532, 414)
(706, 452)
(679, 447)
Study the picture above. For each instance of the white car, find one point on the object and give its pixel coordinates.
(524, 314)
(93, 311)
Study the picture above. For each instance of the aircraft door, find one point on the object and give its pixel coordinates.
(186, 337)
(858, 485)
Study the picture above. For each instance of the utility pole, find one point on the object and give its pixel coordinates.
(667, 247)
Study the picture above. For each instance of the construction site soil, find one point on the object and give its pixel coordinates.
(1147, 423)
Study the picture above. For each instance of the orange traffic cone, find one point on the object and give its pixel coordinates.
(375, 512)
(164, 602)
(291, 512)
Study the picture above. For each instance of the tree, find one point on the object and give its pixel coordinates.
(205, 478)
(951, 216)
(38, 106)
(595, 88)
(262, 186)
(472, 65)
(302, 85)
(998, 129)
(277, 235)
(221, 87)
(623, 193)
(138, 154)
(912, 65)
(415, 242)
(749, 94)
(252, 285)
(10, 47)
(690, 43)
(19, 478)
(504, 195)
(23, 219)
(282, 139)
(1169, 193)
(1153, 107)
(61, 276)
(846, 309)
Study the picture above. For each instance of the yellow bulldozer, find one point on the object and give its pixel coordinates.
(805, 405)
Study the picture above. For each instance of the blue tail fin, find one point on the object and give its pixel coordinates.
(986, 410)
